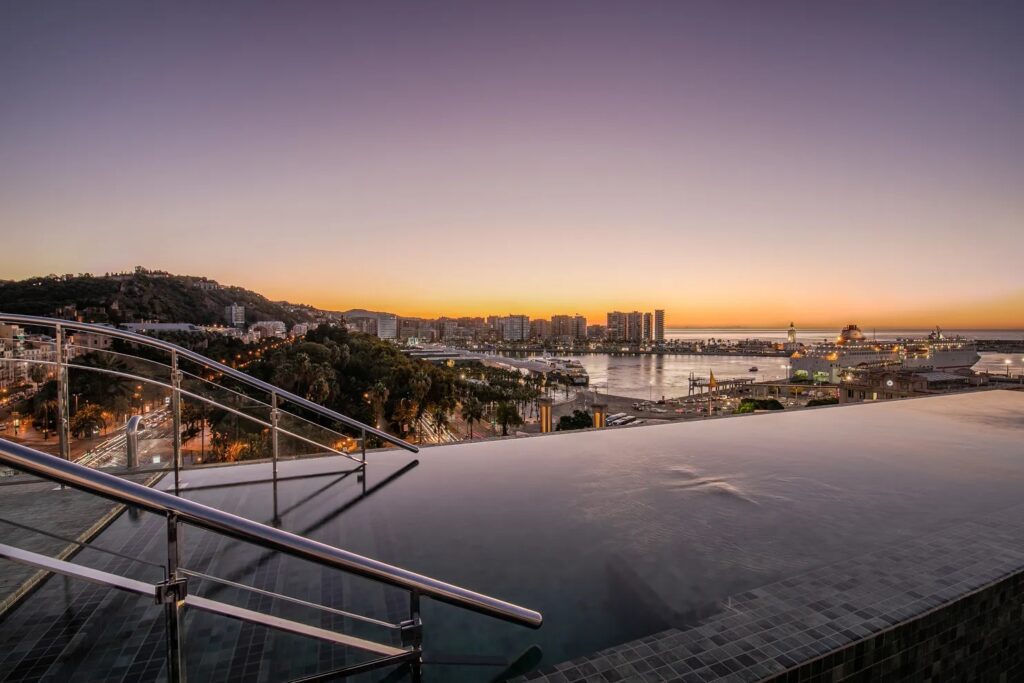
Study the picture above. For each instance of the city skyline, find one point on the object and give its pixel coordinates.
(949, 318)
(738, 164)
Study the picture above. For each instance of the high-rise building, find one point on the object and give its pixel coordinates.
(414, 328)
(269, 328)
(634, 326)
(648, 332)
(540, 328)
(659, 324)
(579, 327)
(627, 327)
(561, 326)
(515, 328)
(387, 326)
(495, 327)
(449, 329)
(363, 323)
(616, 326)
(235, 315)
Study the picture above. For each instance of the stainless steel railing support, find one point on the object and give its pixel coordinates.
(275, 445)
(176, 416)
(63, 418)
(172, 594)
(412, 635)
(191, 512)
(131, 439)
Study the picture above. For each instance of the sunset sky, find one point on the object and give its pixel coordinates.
(736, 163)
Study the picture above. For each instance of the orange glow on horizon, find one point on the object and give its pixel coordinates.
(814, 311)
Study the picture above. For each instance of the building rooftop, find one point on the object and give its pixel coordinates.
(670, 534)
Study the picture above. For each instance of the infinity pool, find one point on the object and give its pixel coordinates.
(613, 535)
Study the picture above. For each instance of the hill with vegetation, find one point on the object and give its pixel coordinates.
(142, 295)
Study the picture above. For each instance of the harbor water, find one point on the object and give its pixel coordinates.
(651, 376)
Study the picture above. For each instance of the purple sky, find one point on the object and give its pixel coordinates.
(730, 162)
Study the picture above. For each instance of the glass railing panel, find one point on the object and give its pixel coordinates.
(300, 437)
(225, 417)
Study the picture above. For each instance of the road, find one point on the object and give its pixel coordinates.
(431, 434)
(113, 451)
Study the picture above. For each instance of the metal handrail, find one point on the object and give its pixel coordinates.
(183, 352)
(79, 543)
(129, 493)
(288, 598)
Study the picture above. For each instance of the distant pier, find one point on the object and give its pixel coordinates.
(700, 385)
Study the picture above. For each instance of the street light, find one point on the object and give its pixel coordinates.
(1008, 364)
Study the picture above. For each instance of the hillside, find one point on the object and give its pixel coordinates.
(142, 295)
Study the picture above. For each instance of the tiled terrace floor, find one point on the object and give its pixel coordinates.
(43, 505)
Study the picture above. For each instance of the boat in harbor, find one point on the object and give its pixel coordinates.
(567, 368)
(753, 368)
(827, 361)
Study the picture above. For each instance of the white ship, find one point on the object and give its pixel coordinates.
(568, 368)
(827, 361)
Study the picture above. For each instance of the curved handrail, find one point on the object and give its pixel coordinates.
(221, 406)
(182, 352)
(129, 493)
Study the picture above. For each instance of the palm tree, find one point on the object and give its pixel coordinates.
(405, 415)
(100, 384)
(472, 411)
(440, 419)
(44, 412)
(507, 416)
(315, 381)
(38, 374)
(88, 418)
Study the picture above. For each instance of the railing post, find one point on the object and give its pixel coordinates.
(172, 595)
(275, 445)
(131, 433)
(63, 418)
(363, 445)
(412, 633)
(176, 416)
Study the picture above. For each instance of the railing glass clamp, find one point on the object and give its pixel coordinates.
(173, 590)
(412, 633)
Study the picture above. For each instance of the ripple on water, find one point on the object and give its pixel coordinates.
(689, 480)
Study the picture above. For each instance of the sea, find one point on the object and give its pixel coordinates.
(667, 376)
(823, 334)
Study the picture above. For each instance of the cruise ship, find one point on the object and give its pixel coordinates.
(851, 349)
(571, 369)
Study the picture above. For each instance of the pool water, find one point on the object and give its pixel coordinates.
(612, 535)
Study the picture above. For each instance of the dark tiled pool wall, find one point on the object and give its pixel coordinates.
(944, 606)
(977, 638)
